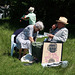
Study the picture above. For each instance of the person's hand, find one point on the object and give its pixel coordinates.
(50, 36)
(25, 16)
(54, 26)
(20, 20)
(31, 39)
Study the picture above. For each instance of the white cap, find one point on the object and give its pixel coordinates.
(39, 25)
(31, 9)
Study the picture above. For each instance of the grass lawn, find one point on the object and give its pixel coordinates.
(12, 66)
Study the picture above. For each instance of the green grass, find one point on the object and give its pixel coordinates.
(12, 66)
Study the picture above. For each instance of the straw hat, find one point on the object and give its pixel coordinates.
(63, 20)
(31, 9)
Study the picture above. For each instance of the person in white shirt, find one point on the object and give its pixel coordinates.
(31, 16)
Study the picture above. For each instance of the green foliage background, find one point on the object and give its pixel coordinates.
(46, 10)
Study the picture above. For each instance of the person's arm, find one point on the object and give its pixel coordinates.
(31, 39)
(30, 29)
(22, 18)
(63, 37)
(50, 36)
(54, 26)
(26, 17)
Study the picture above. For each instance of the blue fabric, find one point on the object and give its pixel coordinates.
(17, 32)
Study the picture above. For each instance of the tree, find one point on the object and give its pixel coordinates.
(46, 10)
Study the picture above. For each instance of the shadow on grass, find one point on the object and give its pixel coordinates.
(15, 54)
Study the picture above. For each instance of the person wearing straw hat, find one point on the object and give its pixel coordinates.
(26, 37)
(61, 33)
(31, 16)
